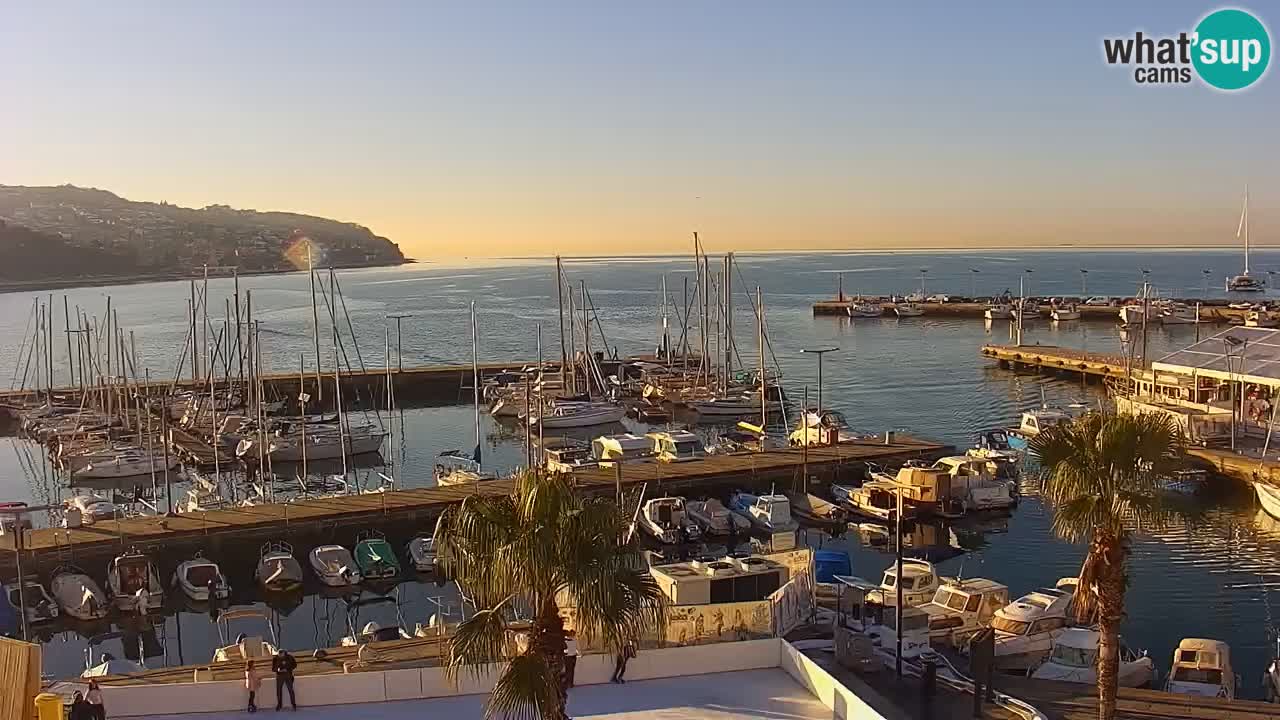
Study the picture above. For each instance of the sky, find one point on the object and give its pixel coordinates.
(532, 128)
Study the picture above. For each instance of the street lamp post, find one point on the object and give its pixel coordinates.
(819, 352)
(973, 283)
(1084, 284)
(1204, 282)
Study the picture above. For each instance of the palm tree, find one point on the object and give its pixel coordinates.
(1101, 477)
(528, 554)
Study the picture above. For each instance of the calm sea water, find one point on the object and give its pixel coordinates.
(921, 375)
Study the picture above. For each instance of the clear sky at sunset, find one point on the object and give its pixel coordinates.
(526, 128)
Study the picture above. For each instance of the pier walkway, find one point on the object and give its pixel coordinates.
(976, 310)
(1072, 701)
(1057, 359)
(419, 507)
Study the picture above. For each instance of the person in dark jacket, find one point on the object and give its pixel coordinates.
(620, 663)
(79, 708)
(283, 666)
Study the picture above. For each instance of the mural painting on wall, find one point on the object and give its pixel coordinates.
(722, 622)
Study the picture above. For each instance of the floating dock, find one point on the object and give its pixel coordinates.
(1076, 701)
(1057, 359)
(416, 510)
(1107, 313)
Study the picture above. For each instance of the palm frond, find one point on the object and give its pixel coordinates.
(526, 690)
(479, 640)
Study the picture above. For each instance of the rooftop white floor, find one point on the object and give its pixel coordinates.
(770, 694)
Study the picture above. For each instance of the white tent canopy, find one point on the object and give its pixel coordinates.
(1239, 354)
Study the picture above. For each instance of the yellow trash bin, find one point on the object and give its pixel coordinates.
(49, 707)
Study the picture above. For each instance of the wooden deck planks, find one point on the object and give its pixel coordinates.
(711, 470)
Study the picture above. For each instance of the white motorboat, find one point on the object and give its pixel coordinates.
(1025, 628)
(962, 607)
(422, 553)
(676, 446)
(91, 509)
(32, 600)
(975, 485)
(908, 309)
(334, 565)
(827, 427)
(1026, 310)
(998, 311)
(714, 518)
(1203, 668)
(78, 595)
(566, 454)
(859, 309)
(1074, 659)
(665, 520)
(194, 576)
(134, 583)
(244, 647)
(577, 414)
(625, 448)
(1132, 314)
(278, 570)
(454, 468)
(1033, 422)
(373, 631)
(1268, 498)
(1178, 314)
(771, 513)
(1064, 311)
(1245, 283)
(920, 583)
(874, 499)
(321, 443)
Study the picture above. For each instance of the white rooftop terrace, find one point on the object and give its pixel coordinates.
(767, 693)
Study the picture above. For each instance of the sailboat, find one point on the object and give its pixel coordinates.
(1244, 282)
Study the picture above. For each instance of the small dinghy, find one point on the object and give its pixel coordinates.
(376, 558)
(422, 553)
(193, 577)
(278, 570)
(105, 663)
(78, 595)
(134, 583)
(372, 631)
(33, 600)
(334, 565)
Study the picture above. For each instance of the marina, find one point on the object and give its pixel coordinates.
(863, 382)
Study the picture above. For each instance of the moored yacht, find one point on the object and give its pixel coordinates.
(908, 309)
(195, 576)
(665, 520)
(962, 607)
(30, 598)
(576, 414)
(998, 311)
(1025, 628)
(278, 570)
(1064, 311)
(1244, 282)
(861, 309)
(1202, 667)
(77, 594)
(334, 565)
(1074, 659)
(714, 518)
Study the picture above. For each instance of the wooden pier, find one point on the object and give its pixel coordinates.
(1075, 701)
(416, 510)
(1096, 313)
(1056, 359)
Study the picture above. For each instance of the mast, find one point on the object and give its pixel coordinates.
(1244, 221)
(728, 318)
(315, 321)
(71, 361)
(564, 356)
(475, 385)
(235, 279)
(302, 409)
(586, 337)
(764, 397)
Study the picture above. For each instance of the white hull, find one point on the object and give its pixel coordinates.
(1134, 674)
(73, 590)
(198, 593)
(334, 566)
(1022, 652)
(327, 448)
(1131, 315)
(584, 418)
(1000, 312)
(732, 407)
(122, 467)
(1061, 315)
(1268, 498)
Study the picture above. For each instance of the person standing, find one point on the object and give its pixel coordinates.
(627, 652)
(97, 710)
(79, 708)
(283, 666)
(570, 657)
(252, 681)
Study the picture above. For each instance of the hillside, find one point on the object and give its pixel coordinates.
(67, 232)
